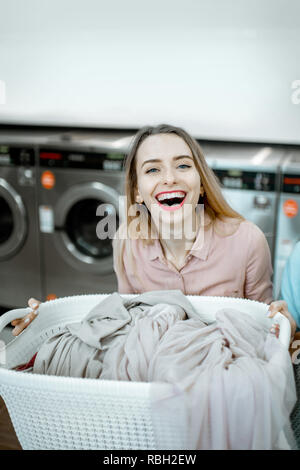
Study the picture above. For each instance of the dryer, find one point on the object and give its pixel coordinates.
(20, 273)
(80, 181)
(250, 178)
(288, 230)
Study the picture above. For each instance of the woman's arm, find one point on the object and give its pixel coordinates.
(258, 285)
(21, 323)
(258, 279)
(280, 306)
(124, 286)
(290, 292)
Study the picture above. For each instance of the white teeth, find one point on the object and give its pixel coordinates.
(179, 194)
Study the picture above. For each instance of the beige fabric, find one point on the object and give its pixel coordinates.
(231, 381)
(79, 349)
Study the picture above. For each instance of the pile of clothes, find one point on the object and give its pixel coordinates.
(232, 381)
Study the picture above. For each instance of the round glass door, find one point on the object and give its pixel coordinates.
(6, 221)
(86, 218)
(13, 224)
(81, 227)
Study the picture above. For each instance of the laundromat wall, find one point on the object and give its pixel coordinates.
(51, 184)
(77, 79)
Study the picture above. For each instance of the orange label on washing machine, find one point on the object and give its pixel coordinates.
(51, 297)
(48, 179)
(290, 208)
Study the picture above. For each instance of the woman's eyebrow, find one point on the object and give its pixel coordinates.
(155, 160)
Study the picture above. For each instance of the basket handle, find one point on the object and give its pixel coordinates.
(11, 315)
(285, 329)
(284, 324)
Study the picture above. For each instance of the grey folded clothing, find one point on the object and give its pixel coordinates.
(79, 349)
(230, 382)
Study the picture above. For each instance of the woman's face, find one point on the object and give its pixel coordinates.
(167, 178)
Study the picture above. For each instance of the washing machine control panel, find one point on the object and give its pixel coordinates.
(251, 180)
(16, 156)
(105, 161)
(291, 183)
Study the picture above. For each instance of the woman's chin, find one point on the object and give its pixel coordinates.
(180, 218)
(175, 225)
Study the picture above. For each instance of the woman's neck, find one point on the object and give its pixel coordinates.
(178, 248)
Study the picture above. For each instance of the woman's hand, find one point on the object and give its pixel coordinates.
(281, 307)
(21, 323)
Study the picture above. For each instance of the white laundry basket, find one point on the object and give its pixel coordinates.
(71, 413)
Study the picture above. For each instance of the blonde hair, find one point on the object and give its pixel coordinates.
(215, 206)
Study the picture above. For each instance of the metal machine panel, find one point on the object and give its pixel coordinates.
(19, 253)
(288, 227)
(20, 270)
(77, 175)
(250, 178)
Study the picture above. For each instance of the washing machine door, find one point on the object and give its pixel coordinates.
(86, 218)
(13, 221)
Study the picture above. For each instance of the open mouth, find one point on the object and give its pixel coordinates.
(171, 200)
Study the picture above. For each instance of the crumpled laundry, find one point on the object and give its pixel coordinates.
(230, 382)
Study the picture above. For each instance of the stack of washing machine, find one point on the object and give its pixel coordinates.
(288, 223)
(20, 269)
(56, 190)
(79, 189)
(250, 175)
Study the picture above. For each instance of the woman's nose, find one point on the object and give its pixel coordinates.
(169, 176)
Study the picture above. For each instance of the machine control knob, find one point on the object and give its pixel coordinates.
(26, 176)
(261, 202)
(262, 182)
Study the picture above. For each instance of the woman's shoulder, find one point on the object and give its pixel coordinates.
(230, 226)
(240, 229)
(252, 233)
(253, 239)
(246, 226)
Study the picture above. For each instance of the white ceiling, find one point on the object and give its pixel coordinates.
(221, 69)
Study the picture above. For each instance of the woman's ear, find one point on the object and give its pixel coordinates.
(138, 198)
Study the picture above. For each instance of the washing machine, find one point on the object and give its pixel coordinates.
(81, 186)
(20, 270)
(250, 178)
(288, 229)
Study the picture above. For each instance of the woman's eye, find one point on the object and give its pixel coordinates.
(152, 170)
(184, 165)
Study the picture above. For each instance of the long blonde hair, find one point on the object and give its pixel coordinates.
(215, 206)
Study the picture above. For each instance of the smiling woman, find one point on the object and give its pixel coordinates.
(165, 159)
(169, 186)
(209, 248)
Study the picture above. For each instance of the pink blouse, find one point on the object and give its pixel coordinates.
(237, 265)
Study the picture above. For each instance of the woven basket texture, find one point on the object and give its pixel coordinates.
(71, 413)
